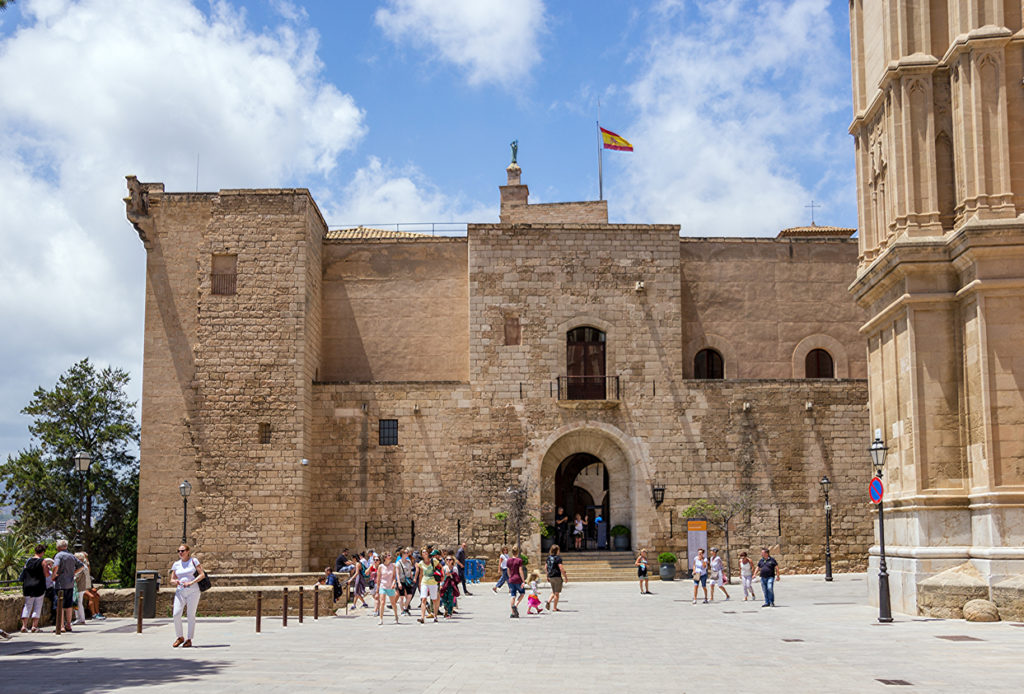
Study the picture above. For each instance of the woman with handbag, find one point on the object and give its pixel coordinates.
(186, 573)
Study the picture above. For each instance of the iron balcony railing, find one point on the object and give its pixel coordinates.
(588, 388)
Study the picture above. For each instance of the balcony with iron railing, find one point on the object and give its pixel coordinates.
(575, 391)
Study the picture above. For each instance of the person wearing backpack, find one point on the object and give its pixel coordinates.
(33, 587)
(556, 577)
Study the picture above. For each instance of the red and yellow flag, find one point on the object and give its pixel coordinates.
(616, 142)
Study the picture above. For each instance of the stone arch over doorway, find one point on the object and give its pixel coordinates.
(612, 448)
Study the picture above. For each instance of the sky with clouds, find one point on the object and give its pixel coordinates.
(391, 112)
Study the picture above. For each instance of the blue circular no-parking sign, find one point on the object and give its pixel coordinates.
(876, 490)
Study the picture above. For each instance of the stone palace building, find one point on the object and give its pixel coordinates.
(328, 388)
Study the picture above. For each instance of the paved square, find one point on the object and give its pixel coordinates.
(821, 637)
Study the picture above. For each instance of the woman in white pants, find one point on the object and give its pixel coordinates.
(185, 574)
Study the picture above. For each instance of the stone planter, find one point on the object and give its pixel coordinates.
(546, 543)
(668, 572)
(621, 542)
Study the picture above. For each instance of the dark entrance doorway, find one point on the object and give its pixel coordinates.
(584, 361)
(581, 486)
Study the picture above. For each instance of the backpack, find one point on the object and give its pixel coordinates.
(438, 571)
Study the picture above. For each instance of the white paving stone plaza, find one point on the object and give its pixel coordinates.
(821, 638)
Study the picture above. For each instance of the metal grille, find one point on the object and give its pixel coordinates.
(901, 683)
(388, 432)
(264, 432)
(958, 637)
(223, 282)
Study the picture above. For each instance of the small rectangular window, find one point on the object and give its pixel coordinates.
(388, 432)
(264, 432)
(513, 333)
(224, 272)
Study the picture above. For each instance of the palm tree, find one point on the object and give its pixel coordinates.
(14, 549)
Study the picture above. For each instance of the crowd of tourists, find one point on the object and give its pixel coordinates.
(389, 583)
(393, 582)
(63, 579)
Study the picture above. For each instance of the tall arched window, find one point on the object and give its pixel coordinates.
(584, 361)
(818, 364)
(708, 364)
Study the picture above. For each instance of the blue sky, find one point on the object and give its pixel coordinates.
(395, 111)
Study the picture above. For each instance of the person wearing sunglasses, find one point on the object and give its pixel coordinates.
(185, 576)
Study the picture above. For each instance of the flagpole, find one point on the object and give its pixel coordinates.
(600, 161)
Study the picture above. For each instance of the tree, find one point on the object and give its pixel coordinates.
(14, 550)
(87, 411)
(720, 514)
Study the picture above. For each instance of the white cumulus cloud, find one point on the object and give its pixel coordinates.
(97, 89)
(381, 194)
(493, 41)
(728, 95)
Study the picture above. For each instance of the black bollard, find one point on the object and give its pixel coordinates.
(316, 602)
(300, 605)
(259, 609)
(284, 610)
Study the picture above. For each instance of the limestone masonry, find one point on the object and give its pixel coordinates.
(349, 388)
(939, 132)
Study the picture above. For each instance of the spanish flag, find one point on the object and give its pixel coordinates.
(613, 141)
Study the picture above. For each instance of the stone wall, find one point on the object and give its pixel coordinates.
(396, 310)
(758, 302)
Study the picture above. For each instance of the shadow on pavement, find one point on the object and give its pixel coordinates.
(25, 674)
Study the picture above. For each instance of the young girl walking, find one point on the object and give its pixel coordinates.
(532, 596)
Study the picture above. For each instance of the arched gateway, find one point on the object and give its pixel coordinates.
(588, 468)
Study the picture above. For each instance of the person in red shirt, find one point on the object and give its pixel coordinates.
(516, 578)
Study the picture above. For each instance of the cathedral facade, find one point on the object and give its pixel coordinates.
(939, 132)
(324, 388)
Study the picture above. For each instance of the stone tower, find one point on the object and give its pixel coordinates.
(939, 132)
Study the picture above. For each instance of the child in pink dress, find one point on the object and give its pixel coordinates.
(532, 596)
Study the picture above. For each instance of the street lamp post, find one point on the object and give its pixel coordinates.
(878, 450)
(185, 488)
(825, 485)
(82, 462)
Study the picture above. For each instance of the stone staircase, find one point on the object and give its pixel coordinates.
(602, 566)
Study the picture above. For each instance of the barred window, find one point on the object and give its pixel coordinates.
(224, 273)
(264, 432)
(388, 432)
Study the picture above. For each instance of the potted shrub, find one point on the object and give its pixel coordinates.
(547, 536)
(620, 535)
(668, 566)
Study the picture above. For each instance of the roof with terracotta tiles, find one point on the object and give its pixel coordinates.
(815, 231)
(371, 233)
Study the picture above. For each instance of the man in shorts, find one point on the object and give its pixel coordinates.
(428, 583)
(64, 567)
(516, 579)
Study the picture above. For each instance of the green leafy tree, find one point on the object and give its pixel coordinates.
(720, 514)
(87, 410)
